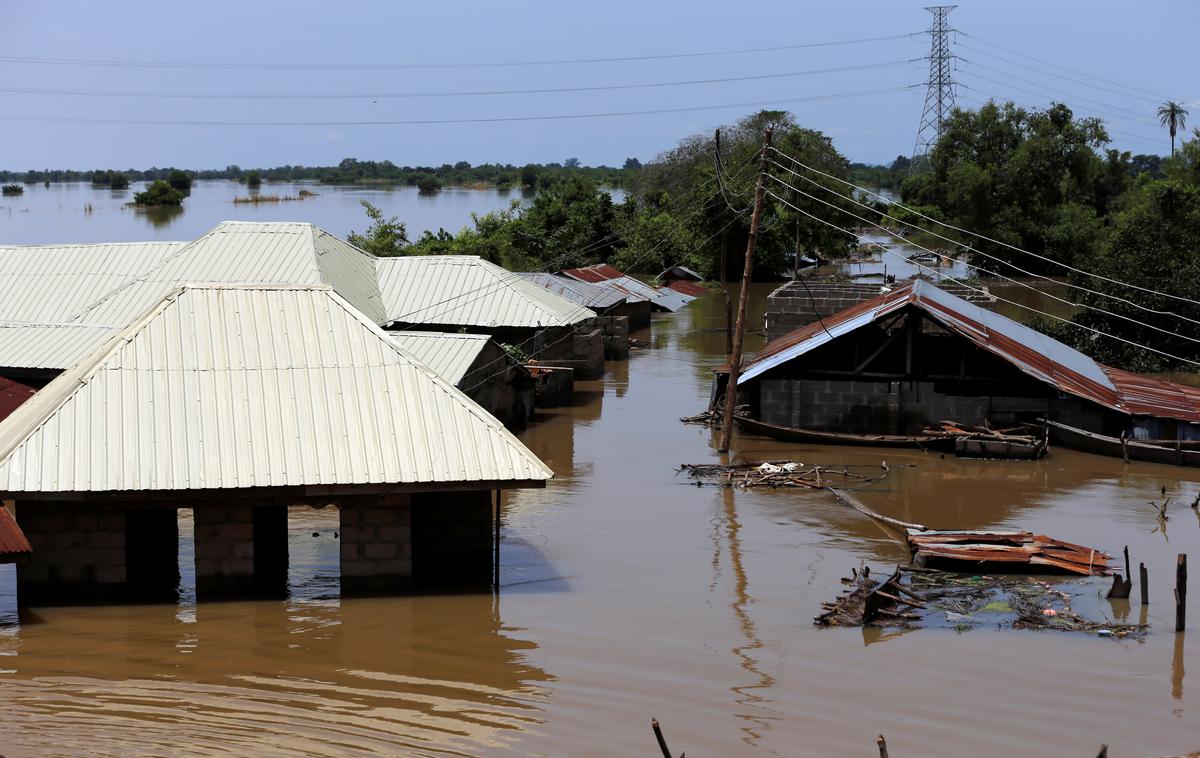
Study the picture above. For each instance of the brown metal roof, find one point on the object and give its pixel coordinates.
(12, 540)
(12, 396)
(1031, 351)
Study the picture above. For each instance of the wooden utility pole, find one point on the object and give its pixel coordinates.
(739, 329)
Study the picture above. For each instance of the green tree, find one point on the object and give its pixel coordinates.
(384, 237)
(180, 180)
(254, 179)
(160, 193)
(1173, 116)
(1023, 177)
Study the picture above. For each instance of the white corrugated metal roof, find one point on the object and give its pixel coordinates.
(466, 290)
(578, 292)
(234, 386)
(450, 355)
(48, 283)
(233, 251)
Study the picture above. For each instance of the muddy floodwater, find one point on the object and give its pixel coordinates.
(628, 593)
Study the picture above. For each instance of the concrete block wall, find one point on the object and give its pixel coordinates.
(224, 539)
(615, 331)
(78, 552)
(792, 306)
(870, 407)
(376, 544)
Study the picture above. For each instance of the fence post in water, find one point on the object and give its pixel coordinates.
(882, 743)
(1180, 592)
(1145, 584)
(662, 741)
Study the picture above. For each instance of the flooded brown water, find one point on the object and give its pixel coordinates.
(629, 594)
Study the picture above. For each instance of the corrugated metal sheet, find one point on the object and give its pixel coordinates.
(252, 386)
(465, 290)
(89, 311)
(48, 283)
(691, 289)
(54, 346)
(13, 543)
(634, 290)
(450, 355)
(595, 296)
(1029, 350)
(680, 272)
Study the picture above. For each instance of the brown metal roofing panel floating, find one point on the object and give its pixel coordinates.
(973, 550)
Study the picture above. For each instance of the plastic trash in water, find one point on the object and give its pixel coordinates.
(1104, 633)
(1049, 612)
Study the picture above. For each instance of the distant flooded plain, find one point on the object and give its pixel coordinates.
(78, 212)
(628, 593)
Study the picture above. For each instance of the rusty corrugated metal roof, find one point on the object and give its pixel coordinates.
(13, 543)
(684, 287)
(1029, 350)
(12, 396)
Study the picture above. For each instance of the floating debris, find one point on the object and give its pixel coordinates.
(913, 597)
(1003, 551)
(778, 474)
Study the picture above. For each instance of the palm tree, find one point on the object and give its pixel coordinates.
(1173, 116)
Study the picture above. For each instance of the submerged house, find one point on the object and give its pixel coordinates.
(451, 293)
(480, 367)
(236, 402)
(661, 300)
(918, 355)
(683, 280)
(616, 314)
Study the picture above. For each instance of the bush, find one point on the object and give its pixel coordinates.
(180, 180)
(13, 189)
(159, 193)
(429, 185)
(253, 180)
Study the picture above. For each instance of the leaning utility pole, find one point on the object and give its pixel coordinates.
(939, 95)
(739, 329)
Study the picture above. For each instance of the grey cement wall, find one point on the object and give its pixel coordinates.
(224, 539)
(78, 553)
(615, 331)
(790, 306)
(870, 407)
(377, 554)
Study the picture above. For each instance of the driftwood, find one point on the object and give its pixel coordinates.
(775, 474)
(857, 505)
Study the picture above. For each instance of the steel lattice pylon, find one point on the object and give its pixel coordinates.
(939, 97)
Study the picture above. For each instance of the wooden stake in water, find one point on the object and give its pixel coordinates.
(1145, 584)
(1180, 592)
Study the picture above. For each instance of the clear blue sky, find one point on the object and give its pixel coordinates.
(1149, 46)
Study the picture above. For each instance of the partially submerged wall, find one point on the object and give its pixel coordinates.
(905, 407)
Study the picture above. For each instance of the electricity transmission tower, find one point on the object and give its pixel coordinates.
(939, 97)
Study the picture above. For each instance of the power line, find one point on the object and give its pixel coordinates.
(1138, 115)
(984, 270)
(985, 292)
(446, 121)
(1143, 93)
(457, 93)
(252, 66)
(1127, 135)
(1014, 248)
(690, 199)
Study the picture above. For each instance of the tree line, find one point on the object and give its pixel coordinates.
(353, 171)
